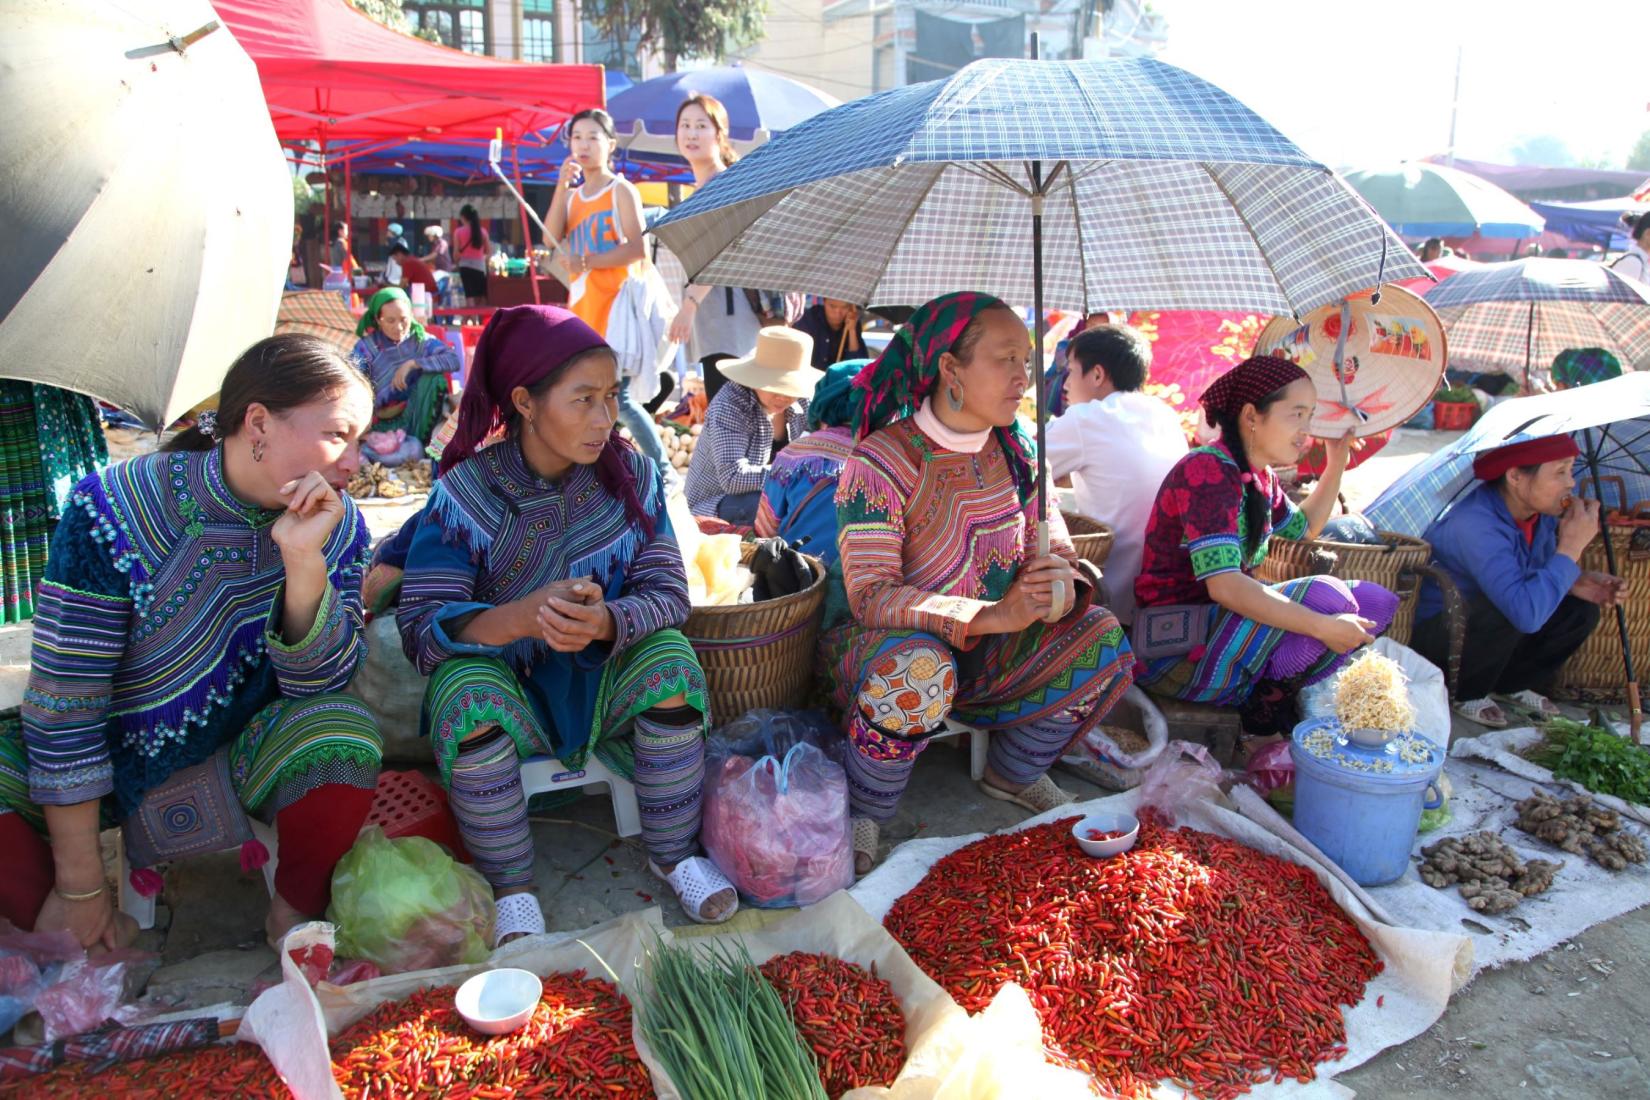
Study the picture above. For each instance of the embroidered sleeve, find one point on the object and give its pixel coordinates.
(655, 592)
(437, 588)
(1210, 499)
(870, 537)
(1288, 521)
(437, 357)
(326, 659)
(80, 622)
(770, 510)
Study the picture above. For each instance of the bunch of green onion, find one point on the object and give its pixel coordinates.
(721, 1031)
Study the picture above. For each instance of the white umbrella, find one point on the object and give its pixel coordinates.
(148, 204)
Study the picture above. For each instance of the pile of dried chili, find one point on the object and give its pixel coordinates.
(1191, 959)
(577, 1045)
(847, 1015)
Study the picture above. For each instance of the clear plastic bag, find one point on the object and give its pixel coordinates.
(406, 904)
(1183, 774)
(85, 994)
(776, 809)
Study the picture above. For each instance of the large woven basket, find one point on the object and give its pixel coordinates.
(759, 654)
(1089, 537)
(1393, 565)
(1595, 671)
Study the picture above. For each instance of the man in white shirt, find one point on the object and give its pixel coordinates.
(1117, 444)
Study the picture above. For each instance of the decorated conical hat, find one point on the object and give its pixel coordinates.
(1392, 356)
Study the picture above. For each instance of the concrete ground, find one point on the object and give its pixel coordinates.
(1567, 1025)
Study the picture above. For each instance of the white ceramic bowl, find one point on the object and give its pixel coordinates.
(497, 1002)
(1128, 824)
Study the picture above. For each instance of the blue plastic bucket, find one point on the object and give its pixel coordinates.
(1362, 806)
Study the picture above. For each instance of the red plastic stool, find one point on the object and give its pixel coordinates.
(411, 804)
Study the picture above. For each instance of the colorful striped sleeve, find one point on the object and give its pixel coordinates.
(870, 541)
(655, 591)
(326, 659)
(81, 618)
(438, 587)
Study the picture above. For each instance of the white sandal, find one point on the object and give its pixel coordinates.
(1535, 702)
(518, 915)
(867, 835)
(1486, 712)
(1040, 797)
(696, 880)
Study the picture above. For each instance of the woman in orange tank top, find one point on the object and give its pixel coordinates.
(597, 217)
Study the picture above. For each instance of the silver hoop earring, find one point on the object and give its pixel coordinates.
(954, 398)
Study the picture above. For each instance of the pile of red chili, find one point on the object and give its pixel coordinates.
(846, 1015)
(1191, 958)
(576, 1046)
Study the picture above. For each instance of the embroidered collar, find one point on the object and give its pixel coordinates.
(203, 494)
(517, 477)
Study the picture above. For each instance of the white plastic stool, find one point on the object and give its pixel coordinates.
(546, 773)
(978, 742)
(142, 909)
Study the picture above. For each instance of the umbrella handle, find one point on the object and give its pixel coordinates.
(1635, 712)
(1062, 604)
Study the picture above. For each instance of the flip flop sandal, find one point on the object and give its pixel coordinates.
(867, 835)
(1531, 701)
(1040, 797)
(696, 880)
(1486, 712)
(518, 915)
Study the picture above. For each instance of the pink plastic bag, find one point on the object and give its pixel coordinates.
(1272, 768)
(778, 825)
(1184, 774)
(83, 997)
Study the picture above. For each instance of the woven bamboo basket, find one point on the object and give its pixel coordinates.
(759, 654)
(1391, 566)
(1089, 537)
(1595, 671)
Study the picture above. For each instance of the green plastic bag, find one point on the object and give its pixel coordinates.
(406, 904)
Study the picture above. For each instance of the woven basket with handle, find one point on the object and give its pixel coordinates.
(1595, 672)
(1089, 537)
(759, 654)
(1396, 565)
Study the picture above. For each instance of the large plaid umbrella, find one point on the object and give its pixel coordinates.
(1510, 317)
(1075, 185)
(1611, 423)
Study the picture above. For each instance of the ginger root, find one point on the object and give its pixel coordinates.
(1581, 826)
(1491, 875)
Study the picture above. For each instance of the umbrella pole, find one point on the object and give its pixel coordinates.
(1529, 349)
(526, 232)
(1635, 709)
(1058, 609)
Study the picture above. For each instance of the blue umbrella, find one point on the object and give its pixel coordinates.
(759, 104)
(1127, 183)
(1420, 200)
(1598, 221)
(1512, 316)
(1611, 423)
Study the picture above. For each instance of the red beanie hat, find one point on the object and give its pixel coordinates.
(1532, 452)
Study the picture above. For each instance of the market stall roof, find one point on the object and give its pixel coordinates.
(331, 74)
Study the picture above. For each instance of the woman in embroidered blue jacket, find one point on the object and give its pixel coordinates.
(199, 614)
(541, 596)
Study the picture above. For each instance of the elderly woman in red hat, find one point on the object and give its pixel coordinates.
(1529, 604)
(1205, 629)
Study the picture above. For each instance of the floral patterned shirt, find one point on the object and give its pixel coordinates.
(1198, 528)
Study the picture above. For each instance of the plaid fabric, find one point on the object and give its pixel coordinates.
(1193, 200)
(1616, 413)
(107, 1045)
(736, 448)
(1506, 336)
(319, 313)
(1538, 280)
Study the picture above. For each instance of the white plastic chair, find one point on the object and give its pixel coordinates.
(545, 773)
(142, 909)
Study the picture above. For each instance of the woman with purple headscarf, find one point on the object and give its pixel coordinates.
(542, 595)
(1205, 630)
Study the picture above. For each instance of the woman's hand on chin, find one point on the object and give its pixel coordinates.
(313, 509)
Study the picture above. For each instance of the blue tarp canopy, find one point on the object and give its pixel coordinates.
(1598, 221)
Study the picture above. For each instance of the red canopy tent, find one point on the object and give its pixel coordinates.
(353, 86)
(330, 74)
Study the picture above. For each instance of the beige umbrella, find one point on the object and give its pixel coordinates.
(148, 205)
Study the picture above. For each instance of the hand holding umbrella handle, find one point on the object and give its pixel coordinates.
(1061, 599)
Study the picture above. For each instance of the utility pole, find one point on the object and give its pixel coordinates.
(1454, 109)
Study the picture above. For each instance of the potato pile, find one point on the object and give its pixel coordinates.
(678, 444)
(1493, 878)
(377, 480)
(1583, 827)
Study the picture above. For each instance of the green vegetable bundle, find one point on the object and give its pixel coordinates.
(720, 1028)
(1596, 758)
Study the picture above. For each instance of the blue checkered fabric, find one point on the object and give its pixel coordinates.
(1167, 193)
(1616, 413)
(1538, 279)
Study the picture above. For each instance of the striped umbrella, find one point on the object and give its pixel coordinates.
(1076, 185)
(1510, 317)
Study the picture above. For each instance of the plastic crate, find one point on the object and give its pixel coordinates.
(411, 804)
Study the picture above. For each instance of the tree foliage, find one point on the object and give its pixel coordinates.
(679, 29)
(1639, 159)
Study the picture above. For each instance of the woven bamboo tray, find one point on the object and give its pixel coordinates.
(1390, 566)
(759, 654)
(1595, 671)
(1091, 538)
